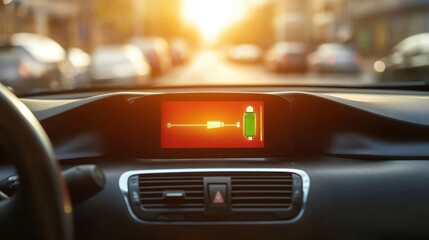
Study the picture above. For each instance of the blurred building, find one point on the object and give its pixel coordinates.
(292, 20)
(116, 21)
(381, 24)
(330, 21)
(7, 18)
(375, 26)
(58, 19)
(161, 18)
(109, 22)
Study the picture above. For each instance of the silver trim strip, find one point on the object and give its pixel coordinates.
(4, 196)
(205, 159)
(123, 186)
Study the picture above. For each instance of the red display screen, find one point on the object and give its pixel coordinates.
(212, 124)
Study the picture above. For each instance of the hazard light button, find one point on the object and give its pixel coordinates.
(218, 194)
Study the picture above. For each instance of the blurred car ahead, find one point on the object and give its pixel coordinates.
(408, 60)
(335, 58)
(245, 53)
(287, 57)
(31, 62)
(118, 65)
(80, 61)
(157, 53)
(179, 50)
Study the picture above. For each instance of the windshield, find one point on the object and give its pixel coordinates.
(80, 44)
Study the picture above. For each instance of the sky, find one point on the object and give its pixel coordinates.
(211, 17)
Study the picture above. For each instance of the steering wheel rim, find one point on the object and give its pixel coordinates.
(43, 197)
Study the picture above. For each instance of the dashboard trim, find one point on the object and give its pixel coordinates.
(123, 186)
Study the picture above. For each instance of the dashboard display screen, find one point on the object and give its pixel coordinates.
(212, 124)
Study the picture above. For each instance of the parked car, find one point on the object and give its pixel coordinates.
(118, 65)
(157, 53)
(286, 57)
(335, 58)
(408, 60)
(80, 61)
(179, 50)
(32, 62)
(245, 53)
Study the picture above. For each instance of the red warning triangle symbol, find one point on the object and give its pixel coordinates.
(218, 198)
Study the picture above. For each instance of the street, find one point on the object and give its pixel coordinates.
(211, 67)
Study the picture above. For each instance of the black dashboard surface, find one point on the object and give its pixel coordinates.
(366, 153)
(377, 125)
(348, 199)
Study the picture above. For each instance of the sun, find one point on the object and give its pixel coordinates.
(211, 17)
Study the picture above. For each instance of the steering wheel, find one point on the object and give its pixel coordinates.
(41, 209)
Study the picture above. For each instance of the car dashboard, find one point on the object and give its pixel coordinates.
(293, 164)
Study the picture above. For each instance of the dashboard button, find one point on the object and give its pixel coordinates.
(134, 191)
(135, 197)
(134, 181)
(218, 194)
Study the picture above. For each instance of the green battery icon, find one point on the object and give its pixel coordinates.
(249, 119)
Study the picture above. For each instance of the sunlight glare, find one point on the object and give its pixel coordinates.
(211, 17)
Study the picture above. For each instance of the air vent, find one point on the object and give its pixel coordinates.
(199, 195)
(261, 190)
(171, 191)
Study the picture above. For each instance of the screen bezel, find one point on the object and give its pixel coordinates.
(147, 127)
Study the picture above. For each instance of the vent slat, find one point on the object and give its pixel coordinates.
(146, 182)
(172, 187)
(261, 205)
(261, 191)
(152, 188)
(269, 186)
(261, 198)
(174, 178)
(280, 181)
(162, 198)
(183, 205)
(261, 177)
(160, 192)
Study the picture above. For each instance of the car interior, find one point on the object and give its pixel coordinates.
(271, 160)
(335, 163)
